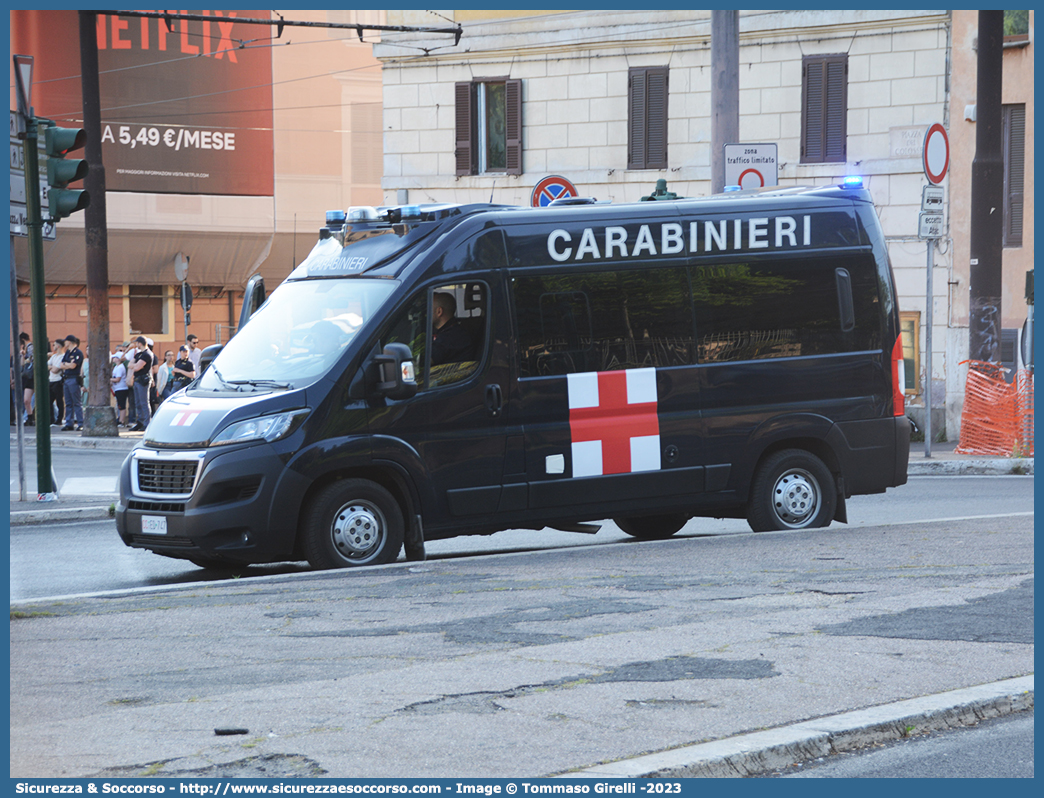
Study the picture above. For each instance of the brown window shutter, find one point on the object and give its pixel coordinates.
(824, 109)
(636, 118)
(656, 136)
(812, 112)
(1014, 146)
(463, 110)
(836, 110)
(647, 118)
(513, 125)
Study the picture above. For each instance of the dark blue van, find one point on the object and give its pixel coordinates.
(443, 370)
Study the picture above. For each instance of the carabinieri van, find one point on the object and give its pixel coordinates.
(443, 370)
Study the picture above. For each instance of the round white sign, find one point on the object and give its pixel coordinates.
(936, 155)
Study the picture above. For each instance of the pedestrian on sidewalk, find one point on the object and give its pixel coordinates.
(27, 378)
(128, 361)
(183, 370)
(165, 376)
(194, 352)
(142, 370)
(85, 376)
(119, 387)
(72, 378)
(54, 366)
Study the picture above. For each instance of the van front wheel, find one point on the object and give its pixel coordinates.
(353, 522)
(793, 489)
(652, 527)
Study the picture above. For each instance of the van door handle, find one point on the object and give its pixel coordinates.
(494, 399)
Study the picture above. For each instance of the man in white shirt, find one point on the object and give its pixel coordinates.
(54, 366)
(194, 351)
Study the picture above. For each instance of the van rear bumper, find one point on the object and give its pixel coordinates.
(874, 453)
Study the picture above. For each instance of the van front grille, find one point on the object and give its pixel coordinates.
(165, 476)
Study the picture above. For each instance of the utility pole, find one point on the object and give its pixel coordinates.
(724, 91)
(98, 418)
(987, 194)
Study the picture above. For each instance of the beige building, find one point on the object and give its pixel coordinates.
(614, 100)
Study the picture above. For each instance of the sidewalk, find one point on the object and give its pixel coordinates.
(943, 462)
(73, 508)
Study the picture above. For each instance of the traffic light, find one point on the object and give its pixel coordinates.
(60, 141)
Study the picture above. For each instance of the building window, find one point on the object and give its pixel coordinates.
(647, 118)
(824, 108)
(1013, 124)
(147, 309)
(1016, 26)
(910, 330)
(489, 127)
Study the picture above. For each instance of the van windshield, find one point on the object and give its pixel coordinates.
(297, 335)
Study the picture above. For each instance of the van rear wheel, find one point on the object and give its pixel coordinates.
(792, 489)
(353, 522)
(652, 527)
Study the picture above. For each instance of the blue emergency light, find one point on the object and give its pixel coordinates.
(852, 182)
(335, 217)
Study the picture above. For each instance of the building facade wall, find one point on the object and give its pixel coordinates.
(1016, 261)
(574, 67)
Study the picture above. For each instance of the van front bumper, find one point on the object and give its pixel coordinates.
(210, 504)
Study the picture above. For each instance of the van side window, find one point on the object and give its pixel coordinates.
(751, 311)
(603, 321)
(411, 328)
(448, 325)
(459, 314)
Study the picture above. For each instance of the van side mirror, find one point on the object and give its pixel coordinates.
(206, 357)
(396, 376)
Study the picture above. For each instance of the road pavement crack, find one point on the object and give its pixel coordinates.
(670, 669)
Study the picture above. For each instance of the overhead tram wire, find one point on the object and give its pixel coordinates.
(282, 23)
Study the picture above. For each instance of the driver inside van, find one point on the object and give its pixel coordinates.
(450, 342)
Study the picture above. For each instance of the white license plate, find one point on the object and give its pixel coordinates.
(153, 525)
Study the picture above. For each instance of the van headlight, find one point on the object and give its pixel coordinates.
(266, 428)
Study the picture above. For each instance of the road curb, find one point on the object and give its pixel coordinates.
(78, 442)
(983, 467)
(774, 749)
(46, 515)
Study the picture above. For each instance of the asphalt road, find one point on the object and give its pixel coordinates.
(85, 557)
(519, 664)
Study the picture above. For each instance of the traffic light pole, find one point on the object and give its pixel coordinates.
(41, 377)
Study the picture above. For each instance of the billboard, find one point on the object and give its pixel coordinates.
(186, 106)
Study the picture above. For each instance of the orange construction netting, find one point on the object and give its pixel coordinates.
(998, 416)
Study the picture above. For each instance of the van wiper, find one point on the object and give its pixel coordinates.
(218, 375)
(261, 383)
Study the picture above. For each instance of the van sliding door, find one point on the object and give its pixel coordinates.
(607, 391)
